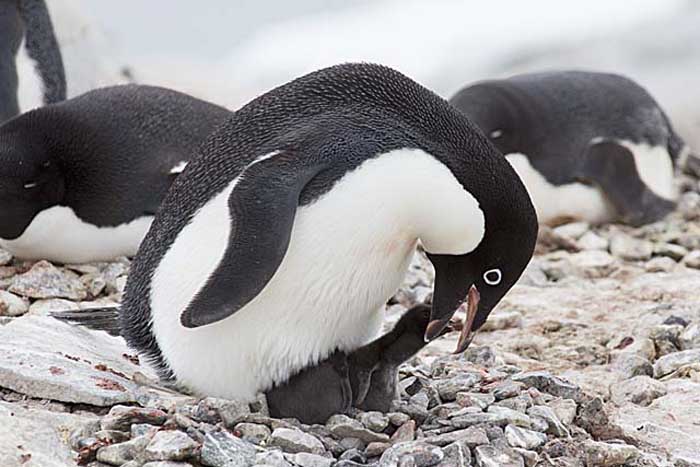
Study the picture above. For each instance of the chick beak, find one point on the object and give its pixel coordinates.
(466, 335)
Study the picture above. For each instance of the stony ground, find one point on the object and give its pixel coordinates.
(592, 359)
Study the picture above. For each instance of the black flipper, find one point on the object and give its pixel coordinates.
(262, 205)
(42, 47)
(612, 167)
(99, 319)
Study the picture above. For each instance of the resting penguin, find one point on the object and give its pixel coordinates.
(283, 240)
(80, 180)
(28, 20)
(366, 378)
(588, 146)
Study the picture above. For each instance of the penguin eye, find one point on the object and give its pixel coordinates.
(495, 134)
(493, 276)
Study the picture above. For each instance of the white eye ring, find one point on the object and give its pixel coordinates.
(491, 280)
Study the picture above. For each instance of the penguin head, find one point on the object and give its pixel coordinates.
(30, 180)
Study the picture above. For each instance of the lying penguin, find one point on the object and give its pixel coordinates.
(81, 180)
(588, 146)
(28, 21)
(367, 378)
(283, 240)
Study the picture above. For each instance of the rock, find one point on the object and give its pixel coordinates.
(608, 454)
(593, 241)
(665, 338)
(630, 249)
(491, 456)
(46, 307)
(44, 280)
(522, 438)
(593, 264)
(456, 454)
(692, 259)
(572, 230)
(554, 425)
(465, 421)
(95, 372)
(550, 384)
(406, 432)
(689, 240)
(121, 417)
(304, 459)
(449, 387)
(374, 421)
(222, 449)
(480, 356)
(345, 427)
(118, 454)
(376, 449)
(670, 250)
(640, 390)
(162, 464)
(473, 436)
(660, 264)
(233, 412)
(508, 416)
(5, 257)
(294, 441)
(630, 365)
(253, 433)
(671, 362)
(170, 446)
(531, 458)
(422, 454)
(351, 445)
(690, 337)
(398, 418)
(503, 320)
(475, 399)
(354, 454)
(12, 305)
(271, 458)
(507, 389)
(141, 429)
(564, 409)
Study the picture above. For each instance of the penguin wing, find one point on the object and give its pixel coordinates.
(262, 205)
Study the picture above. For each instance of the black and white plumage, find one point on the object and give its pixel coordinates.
(588, 146)
(26, 25)
(281, 243)
(80, 180)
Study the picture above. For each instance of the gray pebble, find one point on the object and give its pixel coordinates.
(421, 454)
(294, 441)
(222, 449)
(171, 445)
(253, 433)
(344, 427)
(490, 456)
(522, 438)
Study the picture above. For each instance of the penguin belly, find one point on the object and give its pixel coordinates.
(58, 234)
(554, 203)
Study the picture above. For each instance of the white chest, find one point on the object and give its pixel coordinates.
(57, 234)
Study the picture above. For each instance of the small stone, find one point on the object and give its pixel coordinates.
(45, 307)
(422, 455)
(531, 458)
(160, 464)
(352, 444)
(398, 418)
(640, 390)
(44, 280)
(304, 459)
(692, 259)
(118, 454)
(376, 449)
(509, 416)
(272, 459)
(253, 433)
(294, 441)
(5, 257)
(503, 320)
(507, 390)
(375, 421)
(593, 264)
(406, 432)
(690, 337)
(630, 249)
(344, 426)
(465, 421)
(111, 436)
(608, 454)
(473, 436)
(448, 388)
(12, 305)
(660, 264)
(457, 454)
(665, 338)
(475, 399)
(564, 409)
(631, 365)
(222, 449)
(593, 241)
(689, 240)
(522, 438)
(231, 412)
(670, 250)
(354, 454)
(170, 446)
(550, 384)
(518, 403)
(554, 425)
(671, 362)
(141, 429)
(121, 417)
(491, 456)
(481, 356)
(572, 230)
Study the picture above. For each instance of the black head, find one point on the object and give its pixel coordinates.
(30, 180)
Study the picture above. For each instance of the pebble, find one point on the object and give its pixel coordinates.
(673, 361)
(546, 382)
(593, 241)
(640, 390)
(162, 464)
(554, 425)
(376, 449)
(660, 264)
(344, 427)
(509, 416)
(45, 307)
(692, 259)
(448, 388)
(422, 455)
(670, 250)
(121, 417)
(491, 456)
(222, 449)
(5, 257)
(523, 438)
(630, 249)
(406, 432)
(690, 337)
(572, 230)
(398, 418)
(44, 280)
(456, 454)
(475, 399)
(170, 445)
(304, 459)
(507, 389)
(12, 305)
(253, 433)
(593, 264)
(375, 421)
(295, 441)
(564, 409)
(503, 320)
(629, 365)
(608, 454)
(118, 454)
(473, 436)
(271, 458)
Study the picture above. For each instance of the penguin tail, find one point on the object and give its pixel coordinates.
(42, 47)
(99, 319)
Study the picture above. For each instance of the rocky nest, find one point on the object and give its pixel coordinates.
(593, 359)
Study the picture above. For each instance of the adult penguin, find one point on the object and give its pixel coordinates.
(282, 241)
(28, 21)
(80, 180)
(589, 146)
